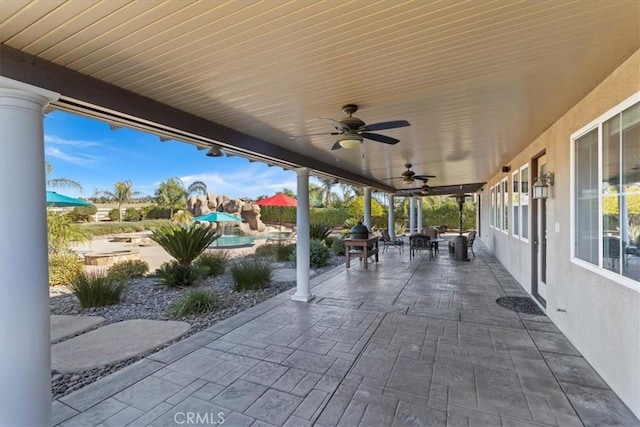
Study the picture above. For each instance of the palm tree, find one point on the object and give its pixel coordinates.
(123, 193)
(172, 193)
(315, 194)
(326, 185)
(60, 182)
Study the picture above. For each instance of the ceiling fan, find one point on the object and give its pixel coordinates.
(409, 176)
(351, 131)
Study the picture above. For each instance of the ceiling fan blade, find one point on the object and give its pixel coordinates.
(386, 125)
(423, 177)
(336, 123)
(336, 146)
(314, 134)
(380, 138)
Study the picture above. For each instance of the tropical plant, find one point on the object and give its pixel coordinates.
(251, 274)
(60, 182)
(184, 243)
(315, 195)
(178, 275)
(349, 223)
(172, 193)
(318, 254)
(319, 231)
(266, 250)
(128, 269)
(214, 261)
(97, 289)
(356, 208)
(64, 268)
(122, 193)
(182, 217)
(114, 214)
(194, 302)
(327, 186)
(61, 231)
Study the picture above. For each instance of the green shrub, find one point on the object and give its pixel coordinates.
(128, 269)
(114, 215)
(338, 247)
(251, 274)
(318, 254)
(215, 261)
(97, 289)
(319, 231)
(155, 212)
(333, 217)
(182, 217)
(132, 214)
(266, 250)
(178, 275)
(82, 213)
(64, 269)
(194, 302)
(185, 243)
(105, 228)
(328, 241)
(283, 252)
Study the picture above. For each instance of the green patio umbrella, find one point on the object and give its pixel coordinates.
(61, 201)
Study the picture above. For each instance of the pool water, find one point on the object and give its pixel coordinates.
(225, 241)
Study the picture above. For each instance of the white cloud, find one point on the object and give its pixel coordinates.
(252, 181)
(82, 159)
(53, 139)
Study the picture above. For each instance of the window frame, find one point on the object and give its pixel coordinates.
(589, 127)
(522, 237)
(504, 212)
(515, 217)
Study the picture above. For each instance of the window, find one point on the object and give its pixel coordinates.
(524, 202)
(606, 192)
(515, 203)
(499, 206)
(504, 185)
(492, 190)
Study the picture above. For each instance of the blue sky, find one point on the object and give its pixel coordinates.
(89, 152)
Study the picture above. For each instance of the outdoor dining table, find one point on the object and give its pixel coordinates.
(368, 247)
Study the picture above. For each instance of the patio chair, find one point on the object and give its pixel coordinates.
(471, 237)
(419, 242)
(387, 241)
(433, 234)
(287, 240)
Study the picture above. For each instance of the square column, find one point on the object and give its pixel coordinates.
(25, 348)
(412, 215)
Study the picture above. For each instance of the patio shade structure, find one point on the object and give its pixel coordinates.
(61, 201)
(281, 200)
(218, 217)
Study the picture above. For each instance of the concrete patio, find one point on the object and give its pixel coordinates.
(401, 344)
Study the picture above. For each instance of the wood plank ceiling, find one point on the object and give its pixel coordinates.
(478, 80)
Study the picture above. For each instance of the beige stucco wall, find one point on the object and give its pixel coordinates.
(602, 317)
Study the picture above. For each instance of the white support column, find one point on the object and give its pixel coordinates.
(412, 215)
(25, 347)
(419, 207)
(392, 219)
(367, 208)
(303, 292)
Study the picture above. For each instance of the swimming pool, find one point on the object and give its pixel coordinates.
(232, 241)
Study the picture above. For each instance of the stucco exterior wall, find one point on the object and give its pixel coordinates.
(601, 317)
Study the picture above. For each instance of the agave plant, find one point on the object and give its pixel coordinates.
(185, 243)
(319, 231)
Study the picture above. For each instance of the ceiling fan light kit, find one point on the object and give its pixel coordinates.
(352, 131)
(349, 140)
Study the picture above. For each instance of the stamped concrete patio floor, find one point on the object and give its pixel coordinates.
(418, 343)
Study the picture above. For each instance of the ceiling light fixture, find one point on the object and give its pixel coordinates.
(350, 140)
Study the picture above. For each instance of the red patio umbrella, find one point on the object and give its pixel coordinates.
(281, 200)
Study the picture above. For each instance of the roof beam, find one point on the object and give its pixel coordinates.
(73, 85)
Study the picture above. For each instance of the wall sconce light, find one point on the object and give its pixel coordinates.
(506, 169)
(541, 186)
(215, 152)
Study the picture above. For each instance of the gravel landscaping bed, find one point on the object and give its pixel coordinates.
(145, 299)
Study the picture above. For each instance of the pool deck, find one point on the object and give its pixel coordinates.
(404, 343)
